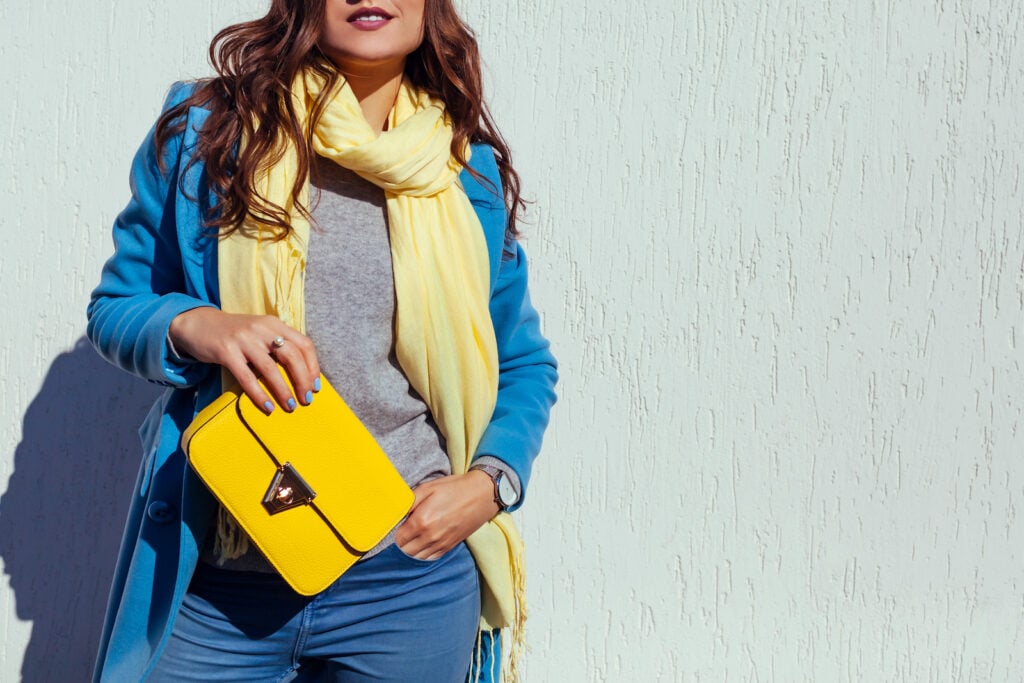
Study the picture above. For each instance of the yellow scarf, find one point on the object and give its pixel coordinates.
(444, 338)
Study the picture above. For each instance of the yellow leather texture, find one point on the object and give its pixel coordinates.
(236, 450)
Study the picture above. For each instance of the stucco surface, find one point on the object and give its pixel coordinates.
(778, 248)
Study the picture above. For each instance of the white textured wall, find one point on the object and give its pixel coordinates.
(779, 251)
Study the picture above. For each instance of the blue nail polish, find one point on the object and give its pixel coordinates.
(291, 404)
(268, 407)
(316, 384)
(309, 397)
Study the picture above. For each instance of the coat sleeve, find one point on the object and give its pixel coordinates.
(141, 289)
(527, 373)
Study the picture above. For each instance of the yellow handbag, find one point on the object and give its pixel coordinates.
(311, 488)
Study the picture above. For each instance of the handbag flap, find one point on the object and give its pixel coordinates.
(358, 492)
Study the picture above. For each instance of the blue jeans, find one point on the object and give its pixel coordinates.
(389, 618)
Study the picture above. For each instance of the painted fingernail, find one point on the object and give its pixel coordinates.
(268, 407)
(291, 404)
(309, 397)
(316, 384)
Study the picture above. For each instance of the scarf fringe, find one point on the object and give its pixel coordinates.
(512, 643)
(517, 635)
(231, 542)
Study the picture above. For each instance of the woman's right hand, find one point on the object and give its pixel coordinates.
(244, 345)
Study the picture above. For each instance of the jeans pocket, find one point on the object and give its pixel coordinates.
(417, 560)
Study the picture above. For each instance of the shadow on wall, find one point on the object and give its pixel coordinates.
(65, 505)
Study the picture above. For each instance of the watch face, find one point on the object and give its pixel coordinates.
(506, 492)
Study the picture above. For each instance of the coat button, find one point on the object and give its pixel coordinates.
(160, 512)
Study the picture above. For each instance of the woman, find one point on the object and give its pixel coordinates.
(363, 119)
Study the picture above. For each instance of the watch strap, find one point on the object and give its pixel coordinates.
(497, 474)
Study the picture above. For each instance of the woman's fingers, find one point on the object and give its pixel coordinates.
(245, 345)
(247, 380)
(295, 353)
(446, 511)
(298, 349)
(270, 376)
(298, 358)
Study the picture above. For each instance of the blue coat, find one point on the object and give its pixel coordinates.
(163, 266)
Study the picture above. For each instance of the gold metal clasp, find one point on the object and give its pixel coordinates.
(287, 490)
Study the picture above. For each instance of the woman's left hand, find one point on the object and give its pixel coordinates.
(446, 511)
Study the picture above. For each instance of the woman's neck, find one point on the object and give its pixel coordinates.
(376, 88)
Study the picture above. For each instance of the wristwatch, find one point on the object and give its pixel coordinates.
(504, 493)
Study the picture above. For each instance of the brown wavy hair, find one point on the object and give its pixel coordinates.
(256, 62)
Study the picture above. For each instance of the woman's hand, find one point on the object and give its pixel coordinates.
(244, 345)
(446, 511)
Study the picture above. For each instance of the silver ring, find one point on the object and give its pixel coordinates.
(277, 342)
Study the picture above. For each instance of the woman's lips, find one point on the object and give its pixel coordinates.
(369, 18)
